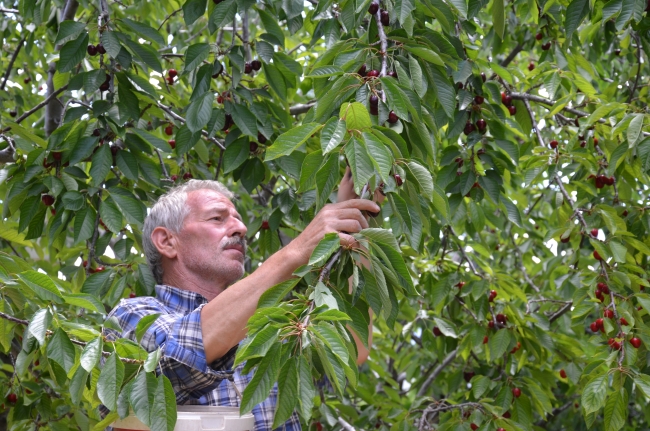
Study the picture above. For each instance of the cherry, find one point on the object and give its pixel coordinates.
(252, 146)
(170, 80)
(319, 427)
(531, 66)
(187, 175)
(506, 99)
(502, 429)
(169, 130)
(256, 65)
(608, 314)
(460, 285)
(469, 128)
(593, 327)
(473, 426)
(583, 144)
(563, 374)
(57, 155)
(385, 17)
(362, 70)
(248, 68)
(597, 256)
(393, 74)
(467, 375)
(27, 80)
(172, 143)
(392, 117)
(493, 294)
(483, 77)
(565, 240)
(594, 232)
(501, 318)
(47, 200)
(539, 36)
(261, 138)
(595, 142)
(481, 125)
(220, 99)
(398, 180)
(96, 132)
(265, 225)
(624, 213)
(92, 50)
(553, 144)
(100, 48)
(491, 324)
(373, 73)
(623, 321)
(460, 85)
(13, 113)
(436, 331)
(479, 100)
(374, 100)
(546, 46)
(512, 109)
(172, 73)
(104, 87)
(174, 177)
(485, 339)
(100, 269)
(636, 342)
(599, 323)
(12, 398)
(507, 416)
(132, 295)
(599, 183)
(373, 8)
(617, 52)
(516, 392)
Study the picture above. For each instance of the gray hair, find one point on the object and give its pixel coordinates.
(169, 212)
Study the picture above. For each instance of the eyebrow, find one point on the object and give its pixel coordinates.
(223, 209)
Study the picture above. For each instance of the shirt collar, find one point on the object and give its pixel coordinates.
(178, 299)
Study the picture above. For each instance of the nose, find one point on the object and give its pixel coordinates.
(238, 228)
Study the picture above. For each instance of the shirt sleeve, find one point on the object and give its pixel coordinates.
(183, 358)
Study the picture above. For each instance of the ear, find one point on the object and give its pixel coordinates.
(165, 241)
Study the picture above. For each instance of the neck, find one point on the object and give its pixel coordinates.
(210, 289)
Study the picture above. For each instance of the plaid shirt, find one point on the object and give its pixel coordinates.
(177, 331)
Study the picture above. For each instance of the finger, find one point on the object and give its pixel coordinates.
(360, 204)
(352, 214)
(350, 226)
(348, 241)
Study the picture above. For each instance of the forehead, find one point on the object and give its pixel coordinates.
(204, 201)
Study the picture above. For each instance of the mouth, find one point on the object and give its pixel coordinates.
(238, 248)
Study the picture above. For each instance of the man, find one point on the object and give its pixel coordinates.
(194, 241)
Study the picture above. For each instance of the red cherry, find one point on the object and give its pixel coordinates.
(608, 314)
(594, 327)
(169, 130)
(467, 375)
(563, 374)
(624, 213)
(491, 324)
(483, 77)
(636, 342)
(597, 255)
(460, 85)
(172, 73)
(12, 398)
(187, 175)
(512, 109)
(531, 66)
(319, 427)
(503, 429)
(385, 17)
(248, 68)
(595, 142)
(27, 80)
(553, 144)
(546, 46)
(373, 73)
(493, 294)
(392, 117)
(516, 392)
(479, 100)
(373, 8)
(599, 323)
(252, 146)
(100, 48)
(362, 70)
(92, 50)
(57, 155)
(132, 295)
(594, 232)
(565, 240)
(37, 363)
(47, 200)
(219, 99)
(172, 143)
(506, 99)
(583, 144)
(170, 80)
(481, 125)
(393, 74)
(436, 331)
(104, 87)
(460, 284)
(506, 415)
(603, 288)
(100, 269)
(256, 65)
(485, 339)
(398, 180)
(469, 128)
(473, 426)
(501, 318)
(539, 36)
(624, 322)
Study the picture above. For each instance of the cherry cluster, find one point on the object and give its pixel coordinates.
(93, 50)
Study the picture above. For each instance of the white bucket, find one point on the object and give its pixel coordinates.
(197, 418)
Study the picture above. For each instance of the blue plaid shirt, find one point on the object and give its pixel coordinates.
(177, 331)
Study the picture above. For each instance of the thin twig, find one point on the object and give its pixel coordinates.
(93, 240)
(162, 165)
(506, 61)
(566, 195)
(3, 10)
(383, 48)
(169, 16)
(346, 426)
(638, 62)
(448, 359)
(560, 312)
(11, 62)
(245, 34)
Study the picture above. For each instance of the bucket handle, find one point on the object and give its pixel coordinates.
(231, 379)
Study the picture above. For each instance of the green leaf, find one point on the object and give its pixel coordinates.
(306, 390)
(355, 115)
(382, 236)
(199, 112)
(325, 248)
(404, 8)
(380, 155)
(289, 141)
(69, 30)
(270, 23)
(575, 13)
(594, 393)
(634, 129)
(276, 80)
(144, 324)
(152, 360)
(145, 31)
(379, 283)
(325, 71)
(498, 344)
(222, 14)
(101, 165)
(111, 215)
(275, 294)
(642, 381)
(110, 381)
(193, 10)
(111, 43)
(39, 323)
(323, 296)
(91, 354)
(448, 329)
(332, 134)
(287, 391)
(146, 54)
(163, 409)
(395, 97)
(72, 53)
(141, 396)
(265, 376)
(259, 345)
(77, 385)
(152, 139)
(61, 350)
(85, 301)
(514, 215)
(616, 410)
(245, 120)
(42, 285)
(423, 178)
(498, 18)
(326, 178)
(331, 315)
(195, 55)
(425, 53)
(360, 164)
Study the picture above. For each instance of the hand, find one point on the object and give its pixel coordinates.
(344, 218)
(346, 189)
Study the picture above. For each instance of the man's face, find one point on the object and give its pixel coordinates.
(212, 242)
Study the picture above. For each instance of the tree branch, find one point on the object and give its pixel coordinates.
(425, 386)
(506, 61)
(3, 10)
(245, 35)
(560, 312)
(301, 108)
(638, 62)
(11, 63)
(346, 426)
(177, 117)
(383, 46)
(169, 16)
